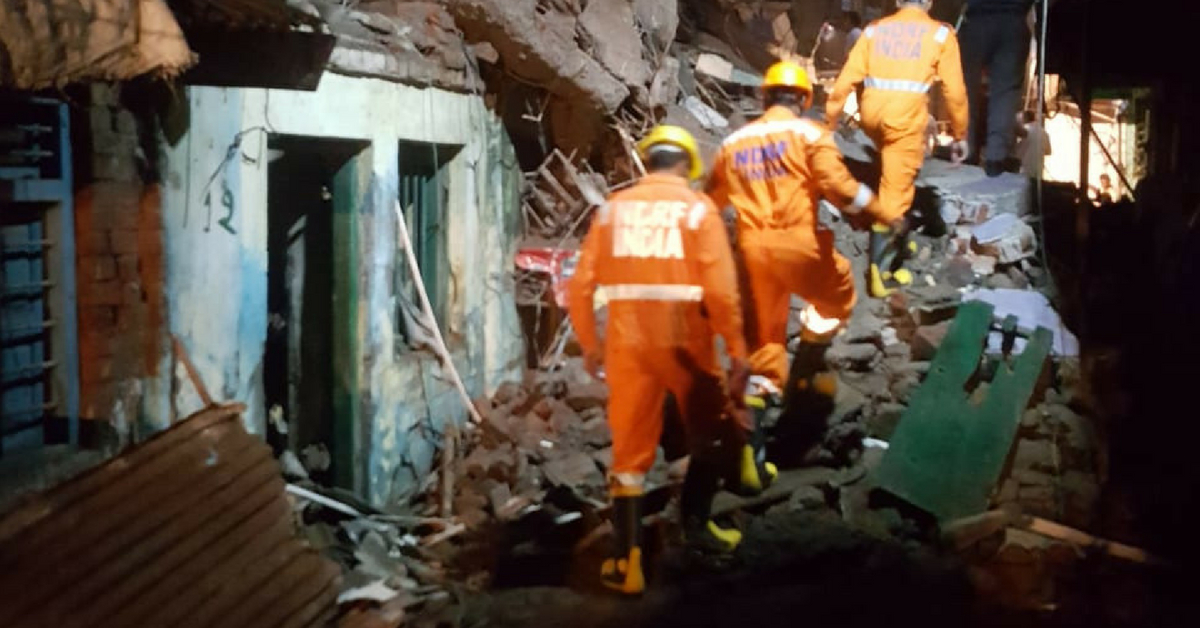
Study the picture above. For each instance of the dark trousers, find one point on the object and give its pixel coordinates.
(999, 44)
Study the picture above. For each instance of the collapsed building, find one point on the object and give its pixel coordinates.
(436, 429)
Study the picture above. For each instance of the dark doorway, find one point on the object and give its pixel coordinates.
(310, 183)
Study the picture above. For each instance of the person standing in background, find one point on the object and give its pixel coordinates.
(995, 39)
(1033, 145)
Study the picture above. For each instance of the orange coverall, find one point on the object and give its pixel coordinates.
(773, 171)
(896, 60)
(661, 252)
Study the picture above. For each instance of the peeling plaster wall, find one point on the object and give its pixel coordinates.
(216, 267)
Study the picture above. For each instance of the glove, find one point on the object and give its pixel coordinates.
(958, 151)
(739, 377)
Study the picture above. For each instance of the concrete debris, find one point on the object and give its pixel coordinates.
(1005, 237)
(927, 340)
(853, 357)
(659, 19)
(722, 69)
(708, 117)
(412, 42)
(664, 87)
(541, 47)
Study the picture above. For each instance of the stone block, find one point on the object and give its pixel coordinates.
(883, 421)
(1005, 237)
(958, 272)
(853, 357)
(864, 329)
(574, 469)
(582, 397)
(934, 304)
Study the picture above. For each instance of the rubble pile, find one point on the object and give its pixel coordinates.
(577, 82)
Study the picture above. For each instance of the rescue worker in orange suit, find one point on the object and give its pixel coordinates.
(773, 171)
(660, 252)
(896, 61)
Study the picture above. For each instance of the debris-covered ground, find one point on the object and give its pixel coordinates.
(510, 527)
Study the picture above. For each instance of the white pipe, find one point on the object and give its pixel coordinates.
(427, 311)
(311, 496)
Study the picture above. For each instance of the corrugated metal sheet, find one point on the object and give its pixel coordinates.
(190, 528)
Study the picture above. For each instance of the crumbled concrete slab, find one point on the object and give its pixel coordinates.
(969, 190)
(540, 47)
(615, 39)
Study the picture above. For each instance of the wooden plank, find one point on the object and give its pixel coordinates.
(1083, 539)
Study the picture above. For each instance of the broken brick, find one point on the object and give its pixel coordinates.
(582, 397)
(927, 339)
(573, 469)
(853, 357)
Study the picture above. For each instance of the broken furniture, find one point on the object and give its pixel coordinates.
(947, 452)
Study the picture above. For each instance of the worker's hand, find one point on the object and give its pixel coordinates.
(739, 377)
(593, 362)
(958, 151)
(899, 227)
(743, 417)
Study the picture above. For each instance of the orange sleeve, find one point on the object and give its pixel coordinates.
(835, 182)
(718, 277)
(848, 80)
(717, 187)
(954, 90)
(581, 289)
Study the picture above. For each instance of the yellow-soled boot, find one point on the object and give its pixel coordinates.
(755, 473)
(885, 251)
(708, 538)
(623, 572)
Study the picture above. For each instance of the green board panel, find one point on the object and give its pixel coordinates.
(947, 453)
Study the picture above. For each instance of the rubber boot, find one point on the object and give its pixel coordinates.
(887, 252)
(701, 534)
(623, 571)
(753, 474)
(808, 400)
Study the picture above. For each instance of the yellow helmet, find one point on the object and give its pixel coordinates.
(676, 136)
(789, 75)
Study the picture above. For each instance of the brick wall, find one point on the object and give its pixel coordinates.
(118, 227)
